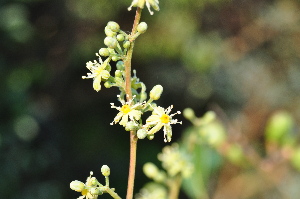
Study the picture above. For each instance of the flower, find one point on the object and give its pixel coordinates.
(127, 111)
(99, 72)
(91, 182)
(176, 161)
(149, 3)
(161, 118)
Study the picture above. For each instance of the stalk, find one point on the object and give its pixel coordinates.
(133, 137)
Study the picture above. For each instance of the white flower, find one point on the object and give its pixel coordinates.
(161, 118)
(149, 3)
(127, 111)
(99, 72)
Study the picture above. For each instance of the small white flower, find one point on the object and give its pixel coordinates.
(161, 118)
(127, 111)
(149, 3)
(99, 72)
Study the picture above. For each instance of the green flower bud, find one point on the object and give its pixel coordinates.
(108, 84)
(142, 27)
(115, 58)
(160, 177)
(109, 32)
(235, 154)
(131, 126)
(110, 42)
(120, 37)
(93, 181)
(105, 170)
(126, 44)
(150, 137)
(150, 170)
(113, 26)
(118, 73)
(189, 113)
(120, 65)
(105, 74)
(77, 186)
(104, 52)
(141, 133)
(295, 159)
(209, 117)
(279, 127)
(119, 81)
(156, 92)
(96, 191)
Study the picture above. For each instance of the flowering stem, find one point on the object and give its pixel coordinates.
(112, 193)
(133, 137)
(174, 187)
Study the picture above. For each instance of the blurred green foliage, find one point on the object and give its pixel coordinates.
(237, 58)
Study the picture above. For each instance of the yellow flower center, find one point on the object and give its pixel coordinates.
(165, 118)
(125, 109)
(98, 70)
(84, 192)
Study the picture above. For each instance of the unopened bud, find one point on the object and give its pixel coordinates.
(189, 113)
(126, 44)
(104, 52)
(105, 170)
(120, 37)
(120, 65)
(96, 191)
(150, 170)
(114, 26)
(142, 27)
(110, 42)
(156, 92)
(141, 133)
(77, 186)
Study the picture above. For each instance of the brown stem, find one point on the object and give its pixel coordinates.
(133, 137)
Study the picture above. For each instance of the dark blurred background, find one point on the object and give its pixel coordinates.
(239, 58)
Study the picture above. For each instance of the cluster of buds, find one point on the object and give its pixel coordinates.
(118, 42)
(91, 189)
(176, 164)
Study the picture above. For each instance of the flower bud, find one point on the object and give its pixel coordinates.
(189, 113)
(108, 84)
(150, 170)
(209, 117)
(142, 27)
(115, 58)
(120, 37)
(105, 74)
(109, 32)
(126, 44)
(150, 137)
(96, 191)
(131, 126)
(141, 133)
(120, 65)
(77, 186)
(156, 92)
(113, 26)
(279, 127)
(105, 170)
(110, 42)
(118, 73)
(295, 158)
(104, 52)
